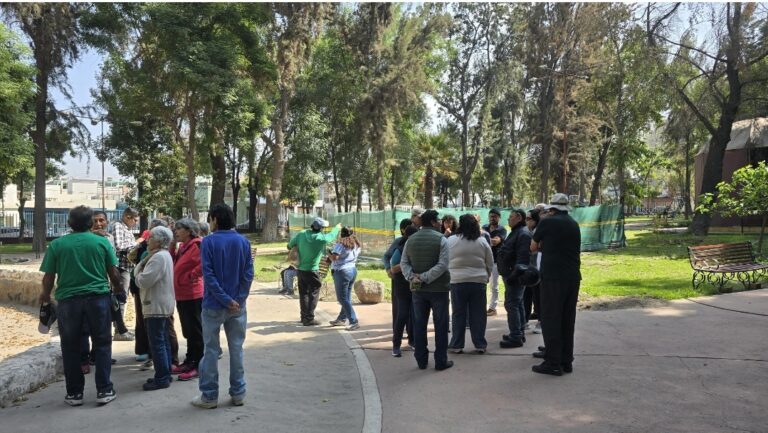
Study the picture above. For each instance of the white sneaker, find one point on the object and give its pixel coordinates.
(353, 326)
(238, 401)
(537, 328)
(204, 404)
(127, 336)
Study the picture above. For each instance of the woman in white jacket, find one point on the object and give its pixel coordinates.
(470, 264)
(154, 277)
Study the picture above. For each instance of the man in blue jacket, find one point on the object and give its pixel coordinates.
(227, 276)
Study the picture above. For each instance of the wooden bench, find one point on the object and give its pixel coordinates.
(717, 264)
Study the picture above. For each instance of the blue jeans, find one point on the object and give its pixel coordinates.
(513, 303)
(160, 346)
(468, 298)
(234, 328)
(72, 314)
(423, 302)
(344, 279)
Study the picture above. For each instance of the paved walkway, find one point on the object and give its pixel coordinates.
(686, 367)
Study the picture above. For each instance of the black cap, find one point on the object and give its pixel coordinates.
(494, 210)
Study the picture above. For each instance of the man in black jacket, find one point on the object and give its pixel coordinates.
(559, 238)
(514, 251)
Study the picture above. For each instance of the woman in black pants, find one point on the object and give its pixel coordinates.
(401, 293)
(531, 295)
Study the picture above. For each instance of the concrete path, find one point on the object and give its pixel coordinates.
(686, 367)
(299, 380)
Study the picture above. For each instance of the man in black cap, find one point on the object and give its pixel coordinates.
(425, 264)
(497, 233)
(559, 238)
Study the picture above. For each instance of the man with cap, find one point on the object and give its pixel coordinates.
(424, 263)
(497, 233)
(311, 244)
(559, 238)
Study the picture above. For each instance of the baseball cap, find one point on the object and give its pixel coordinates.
(494, 211)
(319, 223)
(559, 201)
(47, 317)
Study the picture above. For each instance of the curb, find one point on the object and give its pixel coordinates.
(372, 420)
(29, 370)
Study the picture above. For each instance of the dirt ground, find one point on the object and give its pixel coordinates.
(18, 327)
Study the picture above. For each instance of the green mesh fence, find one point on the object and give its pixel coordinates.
(601, 226)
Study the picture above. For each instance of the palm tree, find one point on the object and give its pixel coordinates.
(434, 154)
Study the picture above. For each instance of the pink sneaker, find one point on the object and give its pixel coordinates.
(189, 375)
(180, 369)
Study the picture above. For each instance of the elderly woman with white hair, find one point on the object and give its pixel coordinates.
(154, 276)
(188, 284)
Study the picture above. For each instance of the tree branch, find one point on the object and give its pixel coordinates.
(682, 45)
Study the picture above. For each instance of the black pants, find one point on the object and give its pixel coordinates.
(423, 303)
(531, 301)
(402, 310)
(309, 294)
(192, 329)
(558, 319)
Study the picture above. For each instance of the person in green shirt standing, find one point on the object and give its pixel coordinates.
(310, 244)
(84, 263)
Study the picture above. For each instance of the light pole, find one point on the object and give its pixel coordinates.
(103, 157)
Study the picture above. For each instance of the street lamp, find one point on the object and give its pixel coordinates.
(103, 155)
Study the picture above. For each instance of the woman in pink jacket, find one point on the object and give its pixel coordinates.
(188, 284)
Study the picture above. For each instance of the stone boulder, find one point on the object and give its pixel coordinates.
(369, 291)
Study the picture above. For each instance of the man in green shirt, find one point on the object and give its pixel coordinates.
(310, 244)
(84, 263)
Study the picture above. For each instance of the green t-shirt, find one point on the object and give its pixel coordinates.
(80, 261)
(311, 245)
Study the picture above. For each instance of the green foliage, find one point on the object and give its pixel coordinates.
(745, 195)
(16, 91)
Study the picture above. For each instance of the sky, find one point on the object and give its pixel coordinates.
(82, 78)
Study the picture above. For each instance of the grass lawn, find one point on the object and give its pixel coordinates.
(15, 248)
(652, 265)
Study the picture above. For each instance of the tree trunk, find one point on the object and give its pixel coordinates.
(687, 180)
(219, 183)
(380, 196)
(762, 233)
(22, 202)
(190, 165)
(38, 137)
(465, 181)
(143, 216)
(602, 160)
(429, 187)
(269, 231)
(253, 199)
(334, 172)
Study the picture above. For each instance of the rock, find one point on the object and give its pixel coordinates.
(327, 291)
(369, 291)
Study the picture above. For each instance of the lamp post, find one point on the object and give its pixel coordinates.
(103, 157)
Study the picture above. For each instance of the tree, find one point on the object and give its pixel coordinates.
(745, 195)
(17, 91)
(54, 36)
(294, 28)
(729, 64)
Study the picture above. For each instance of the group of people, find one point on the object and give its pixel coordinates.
(441, 261)
(175, 266)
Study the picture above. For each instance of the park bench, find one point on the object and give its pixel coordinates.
(717, 264)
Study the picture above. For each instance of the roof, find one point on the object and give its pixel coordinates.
(746, 134)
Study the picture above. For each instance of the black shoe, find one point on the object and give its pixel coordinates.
(313, 322)
(542, 349)
(540, 354)
(152, 379)
(422, 366)
(545, 368)
(448, 364)
(568, 368)
(105, 397)
(508, 338)
(152, 386)
(510, 344)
